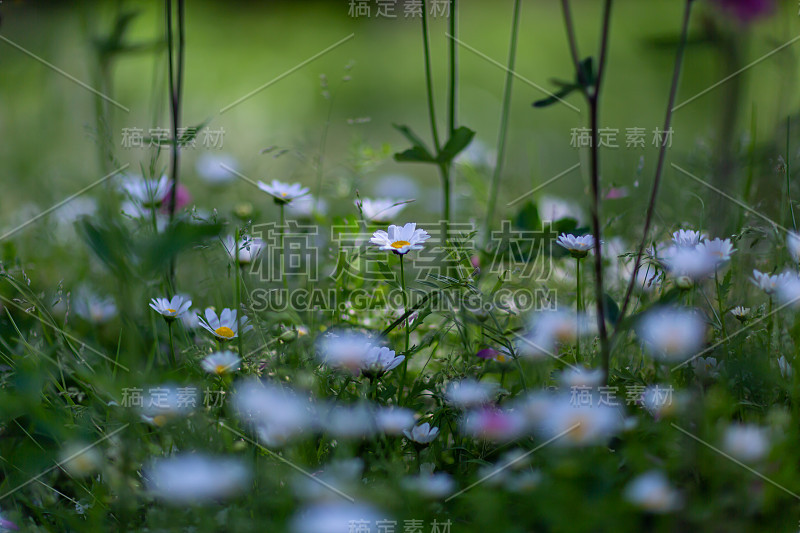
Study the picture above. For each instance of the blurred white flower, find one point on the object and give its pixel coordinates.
(344, 349)
(581, 377)
(144, 192)
(334, 517)
(211, 168)
(249, 248)
(283, 193)
(688, 265)
(718, 250)
(578, 246)
(400, 239)
(769, 284)
(195, 478)
(422, 434)
(793, 245)
(578, 424)
(746, 442)
(348, 421)
(706, 367)
(277, 414)
(306, 206)
(93, 308)
(380, 210)
(788, 290)
(652, 492)
(220, 363)
(469, 393)
(226, 326)
(164, 403)
(394, 420)
(552, 209)
(430, 485)
(661, 401)
(172, 308)
(548, 330)
(671, 333)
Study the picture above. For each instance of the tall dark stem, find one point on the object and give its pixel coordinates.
(593, 99)
(660, 165)
(176, 95)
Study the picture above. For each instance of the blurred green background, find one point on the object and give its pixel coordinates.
(50, 128)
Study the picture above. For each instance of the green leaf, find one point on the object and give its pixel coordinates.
(555, 97)
(528, 218)
(418, 153)
(458, 141)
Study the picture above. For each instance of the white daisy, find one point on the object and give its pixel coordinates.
(497, 425)
(400, 239)
(422, 434)
(706, 367)
(144, 192)
(334, 517)
(380, 209)
(344, 349)
(283, 193)
(741, 313)
(653, 493)
(249, 248)
(190, 478)
(93, 308)
(549, 330)
(688, 264)
(172, 308)
(718, 250)
(380, 360)
(672, 333)
(788, 289)
(687, 238)
(165, 403)
(578, 425)
(578, 246)
(276, 413)
(225, 327)
(746, 442)
(430, 485)
(581, 377)
(220, 363)
(306, 206)
(769, 284)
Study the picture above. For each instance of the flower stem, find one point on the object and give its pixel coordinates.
(580, 307)
(238, 291)
(283, 251)
(503, 133)
(172, 360)
(676, 74)
(176, 96)
(406, 328)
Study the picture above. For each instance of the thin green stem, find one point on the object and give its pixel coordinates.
(453, 95)
(401, 386)
(283, 250)
(429, 77)
(788, 175)
(504, 113)
(721, 306)
(579, 305)
(238, 293)
(172, 359)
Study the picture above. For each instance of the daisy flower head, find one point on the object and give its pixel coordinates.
(718, 250)
(469, 393)
(379, 360)
(769, 284)
(578, 424)
(171, 308)
(672, 333)
(785, 367)
(741, 313)
(578, 247)
(788, 289)
(400, 239)
(422, 434)
(549, 330)
(394, 420)
(652, 492)
(492, 424)
(225, 326)
(276, 413)
(688, 264)
(687, 238)
(94, 308)
(380, 209)
(283, 193)
(212, 168)
(221, 363)
(249, 248)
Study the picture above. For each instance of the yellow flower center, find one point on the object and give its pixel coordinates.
(159, 420)
(224, 331)
(501, 358)
(171, 310)
(283, 194)
(220, 369)
(399, 244)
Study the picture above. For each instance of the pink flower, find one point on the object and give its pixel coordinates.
(182, 198)
(746, 10)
